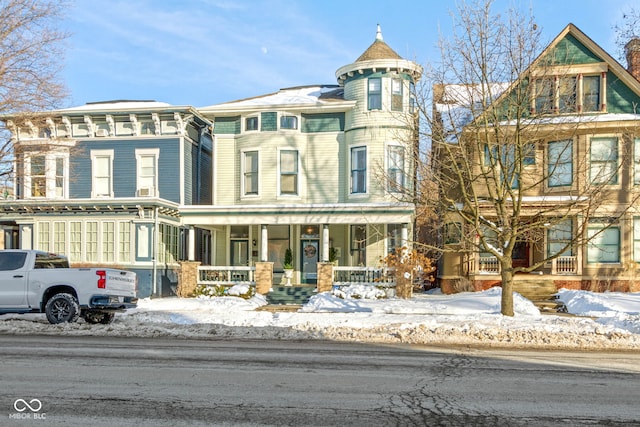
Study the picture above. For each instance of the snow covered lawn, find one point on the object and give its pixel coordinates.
(612, 320)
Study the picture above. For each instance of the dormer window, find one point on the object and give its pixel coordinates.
(567, 94)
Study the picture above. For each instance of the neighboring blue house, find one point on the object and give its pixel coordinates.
(102, 182)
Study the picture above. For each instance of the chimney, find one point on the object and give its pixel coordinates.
(632, 50)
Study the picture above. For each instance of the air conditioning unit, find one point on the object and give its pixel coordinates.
(102, 132)
(146, 192)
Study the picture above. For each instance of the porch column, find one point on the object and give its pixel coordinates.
(264, 243)
(325, 242)
(404, 235)
(192, 244)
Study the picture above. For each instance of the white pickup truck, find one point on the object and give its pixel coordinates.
(39, 282)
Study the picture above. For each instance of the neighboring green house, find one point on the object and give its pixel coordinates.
(584, 107)
(143, 185)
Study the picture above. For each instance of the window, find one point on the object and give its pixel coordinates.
(397, 100)
(38, 176)
(544, 102)
(452, 233)
(502, 157)
(395, 168)
(559, 236)
(168, 251)
(251, 123)
(147, 167)
(59, 237)
(591, 93)
(636, 239)
(250, 172)
(567, 94)
(604, 243)
(91, 244)
(75, 241)
(636, 161)
(394, 237)
(46, 175)
(124, 242)
(288, 122)
(44, 237)
(10, 261)
(147, 127)
(108, 241)
(604, 161)
(375, 93)
(289, 172)
(560, 163)
(359, 245)
(101, 161)
(358, 170)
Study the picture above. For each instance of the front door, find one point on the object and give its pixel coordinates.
(520, 256)
(309, 260)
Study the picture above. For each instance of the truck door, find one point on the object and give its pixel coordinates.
(13, 279)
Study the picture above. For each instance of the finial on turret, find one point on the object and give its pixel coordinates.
(379, 33)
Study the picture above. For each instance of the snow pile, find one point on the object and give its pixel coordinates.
(613, 320)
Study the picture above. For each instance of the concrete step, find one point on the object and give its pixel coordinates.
(291, 295)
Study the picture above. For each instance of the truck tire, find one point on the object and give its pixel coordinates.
(96, 316)
(62, 308)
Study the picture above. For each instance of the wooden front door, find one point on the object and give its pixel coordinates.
(520, 256)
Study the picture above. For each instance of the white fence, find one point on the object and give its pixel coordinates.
(344, 276)
(226, 275)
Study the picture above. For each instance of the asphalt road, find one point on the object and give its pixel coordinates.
(90, 381)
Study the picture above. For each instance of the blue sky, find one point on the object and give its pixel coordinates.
(205, 52)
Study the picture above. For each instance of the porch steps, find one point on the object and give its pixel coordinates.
(541, 292)
(292, 295)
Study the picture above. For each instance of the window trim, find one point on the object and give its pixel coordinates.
(252, 118)
(288, 117)
(553, 75)
(392, 185)
(615, 181)
(599, 227)
(296, 192)
(50, 175)
(548, 165)
(397, 96)
(352, 171)
(243, 173)
(140, 154)
(95, 154)
(374, 95)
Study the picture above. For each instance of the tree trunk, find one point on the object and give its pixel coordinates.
(507, 289)
(404, 284)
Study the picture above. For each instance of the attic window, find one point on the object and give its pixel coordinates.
(567, 94)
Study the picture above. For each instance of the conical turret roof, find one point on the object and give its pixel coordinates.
(378, 50)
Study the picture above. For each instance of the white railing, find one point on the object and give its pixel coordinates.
(343, 276)
(488, 265)
(565, 265)
(226, 275)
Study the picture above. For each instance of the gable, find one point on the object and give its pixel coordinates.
(569, 51)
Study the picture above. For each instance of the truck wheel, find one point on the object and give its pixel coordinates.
(94, 316)
(62, 308)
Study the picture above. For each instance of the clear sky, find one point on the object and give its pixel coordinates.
(205, 52)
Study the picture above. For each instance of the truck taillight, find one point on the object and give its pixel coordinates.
(102, 279)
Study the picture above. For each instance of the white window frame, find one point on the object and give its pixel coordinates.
(246, 119)
(95, 155)
(296, 122)
(616, 172)
(140, 184)
(50, 176)
(243, 189)
(552, 170)
(296, 193)
(353, 149)
(392, 185)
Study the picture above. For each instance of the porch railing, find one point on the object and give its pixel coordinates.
(343, 276)
(565, 265)
(488, 265)
(226, 275)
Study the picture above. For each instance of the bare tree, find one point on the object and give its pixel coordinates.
(31, 47)
(503, 122)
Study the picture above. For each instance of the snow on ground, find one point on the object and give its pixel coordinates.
(602, 320)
